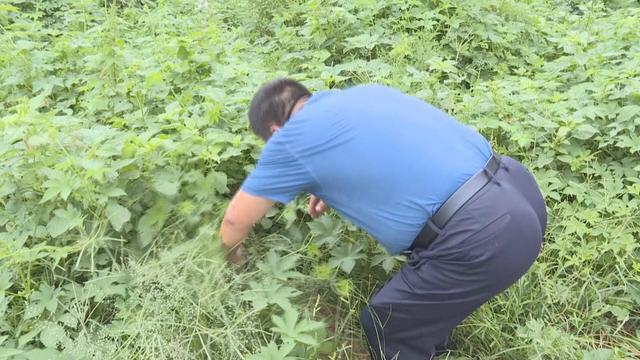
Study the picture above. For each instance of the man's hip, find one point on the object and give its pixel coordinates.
(485, 247)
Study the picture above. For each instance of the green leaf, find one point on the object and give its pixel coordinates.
(269, 292)
(281, 268)
(45, 297)
(117, 214)
(29, 336)
(273, 352)
(44, 354)
(345, 256)
(119, 164)
(52, 335)
(289, 327)
(584, 132)
(68, 319)
(628, 112)
(151, 222)
(7, 187)
(114, 191)
(219, 181)
(598, 354)
(4, 305)
(103, 286)
(166, 181)
(8, 8)
(367, 41)
(203, 187)
(153, 79)
(620, 313)
(5, 280)
(388, 262)
(326, 230)
(9, 353)
(59, 184)
(64, 220)
(182, 53)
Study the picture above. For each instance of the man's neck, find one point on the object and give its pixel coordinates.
(299, 105)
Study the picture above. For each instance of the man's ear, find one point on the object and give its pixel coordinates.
(274, 127)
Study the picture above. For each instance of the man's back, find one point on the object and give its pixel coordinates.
(388, 161)
(382, 159)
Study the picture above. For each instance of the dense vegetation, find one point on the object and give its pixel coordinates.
(123, 135)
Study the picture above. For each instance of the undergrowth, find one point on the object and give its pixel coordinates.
(124, 134)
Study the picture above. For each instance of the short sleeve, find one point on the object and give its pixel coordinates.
(278, 176)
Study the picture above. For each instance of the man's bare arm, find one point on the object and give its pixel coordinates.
(243, 212)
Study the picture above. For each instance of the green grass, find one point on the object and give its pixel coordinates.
(124, 134)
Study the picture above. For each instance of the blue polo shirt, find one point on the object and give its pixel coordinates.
(383, 159)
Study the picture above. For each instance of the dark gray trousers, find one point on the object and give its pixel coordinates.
(488, 245)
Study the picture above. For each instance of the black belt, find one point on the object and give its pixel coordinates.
(464, 193)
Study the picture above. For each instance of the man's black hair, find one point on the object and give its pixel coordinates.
(273, 104)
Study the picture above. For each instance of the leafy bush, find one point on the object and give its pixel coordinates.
(124, 134)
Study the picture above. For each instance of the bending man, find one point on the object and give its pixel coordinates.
(421, 183)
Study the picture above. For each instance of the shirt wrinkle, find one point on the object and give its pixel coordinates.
(297, 159)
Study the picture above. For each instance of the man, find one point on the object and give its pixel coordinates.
(470, 221)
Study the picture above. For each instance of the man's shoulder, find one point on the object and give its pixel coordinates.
(371, 89)
(333, 95)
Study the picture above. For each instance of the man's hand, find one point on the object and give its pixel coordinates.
(316, 207)
(237, 255)
(243, 212)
